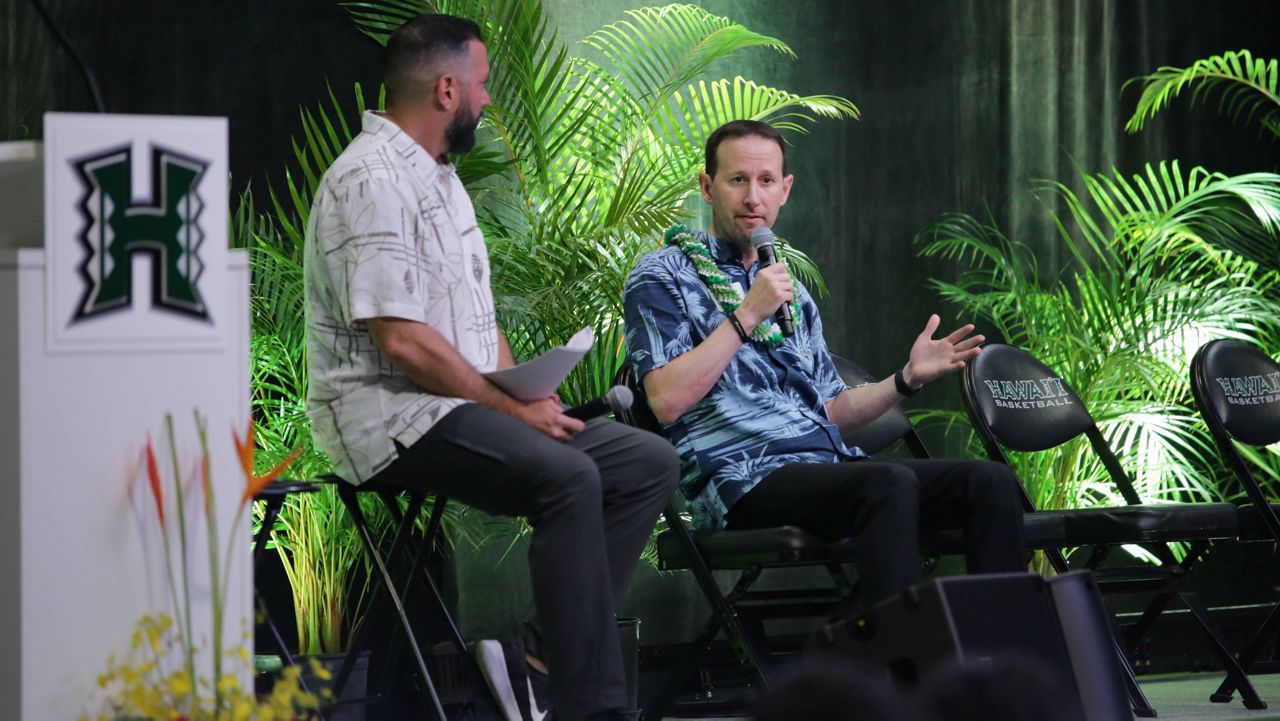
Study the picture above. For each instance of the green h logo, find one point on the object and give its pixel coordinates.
(115, 229)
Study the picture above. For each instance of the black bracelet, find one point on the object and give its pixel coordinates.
(737, 327)
(901, 384)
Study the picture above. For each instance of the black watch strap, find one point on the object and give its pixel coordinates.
(737, 326)
(901, 384)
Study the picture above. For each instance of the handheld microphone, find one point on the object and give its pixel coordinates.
(617, 400)
(762, 240)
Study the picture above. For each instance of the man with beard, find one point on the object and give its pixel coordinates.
(758, 417)
(400, 327)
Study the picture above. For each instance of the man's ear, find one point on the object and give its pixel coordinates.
(445, 92)
(704, 184)
(786, 189)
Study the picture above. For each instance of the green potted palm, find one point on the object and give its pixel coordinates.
(1149, 279)
(1247, 87)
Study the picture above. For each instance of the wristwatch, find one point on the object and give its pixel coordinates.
(901, 384)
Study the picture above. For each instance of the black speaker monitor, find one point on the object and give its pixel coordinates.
(981, 621)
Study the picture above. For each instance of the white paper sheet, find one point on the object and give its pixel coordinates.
(539, 378)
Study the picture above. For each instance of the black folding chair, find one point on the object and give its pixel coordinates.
(399, 561)
(273, 497)
(740, 614)
(1237, 389)
(1017, 402)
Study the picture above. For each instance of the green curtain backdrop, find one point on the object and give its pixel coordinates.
(964, 104)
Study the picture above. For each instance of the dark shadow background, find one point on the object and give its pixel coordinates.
(254, 61)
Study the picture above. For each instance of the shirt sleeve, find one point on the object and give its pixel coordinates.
(826, 378)
(657, 322)
(375, 236)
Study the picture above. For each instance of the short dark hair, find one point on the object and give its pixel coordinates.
(741, 129)
(416, 49)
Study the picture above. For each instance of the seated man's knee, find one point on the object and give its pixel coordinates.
(570, 479)
(879, 504)
(891, 486)
(991, 482)
(660, 463)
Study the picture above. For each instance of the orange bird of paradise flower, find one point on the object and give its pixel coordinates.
(245, 449)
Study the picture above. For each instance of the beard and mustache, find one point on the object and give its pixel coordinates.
(460, 133)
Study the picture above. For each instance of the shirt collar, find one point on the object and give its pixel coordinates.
(724, 251)
(379, 125)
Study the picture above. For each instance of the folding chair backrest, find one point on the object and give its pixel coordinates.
(1017, 402)
(1024, 404)
(1237, 388)
(884, 431)
(639, 415)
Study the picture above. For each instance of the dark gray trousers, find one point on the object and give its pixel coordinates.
(592, 503)
(883, 505)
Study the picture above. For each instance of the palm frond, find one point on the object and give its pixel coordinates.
(696, 111)
(1250, 88)
(659, 49)
(326, 130)
(1181, 212)
(379, 18)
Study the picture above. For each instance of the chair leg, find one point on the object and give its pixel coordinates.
(390, 648)
(1158, 604)
(1142, 628)
(657, 706)
(1235, 673)
(269, 516)
(404, 523)
(418, 567)
(432, 589)
(429, 582)
(1264, 635)
(353, 506)
(1137, 699)
(724, 617)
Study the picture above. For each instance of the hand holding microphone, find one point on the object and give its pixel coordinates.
(762, 240)
(617, 400)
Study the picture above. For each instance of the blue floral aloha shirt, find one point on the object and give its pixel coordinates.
(766, 411)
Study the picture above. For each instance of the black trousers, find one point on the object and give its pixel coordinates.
(883, 505)
(592, 503)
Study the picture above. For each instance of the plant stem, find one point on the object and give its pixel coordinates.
(185, 611)
(215, 586)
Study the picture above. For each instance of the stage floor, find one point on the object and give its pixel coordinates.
(1186, 698)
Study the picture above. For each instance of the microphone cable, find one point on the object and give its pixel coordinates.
(75, 55)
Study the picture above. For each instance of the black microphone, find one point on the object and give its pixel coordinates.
(762, 240)
(617, 400)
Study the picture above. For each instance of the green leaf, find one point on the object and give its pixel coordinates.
(702, 107)
(1250, 87)
(659, 49)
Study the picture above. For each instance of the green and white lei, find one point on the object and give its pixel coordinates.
(727, 296)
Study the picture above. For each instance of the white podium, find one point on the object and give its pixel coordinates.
(119, 302)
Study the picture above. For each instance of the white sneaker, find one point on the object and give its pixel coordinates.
(536, 713)
(495, 667)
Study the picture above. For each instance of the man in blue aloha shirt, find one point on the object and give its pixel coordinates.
(758, 418)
